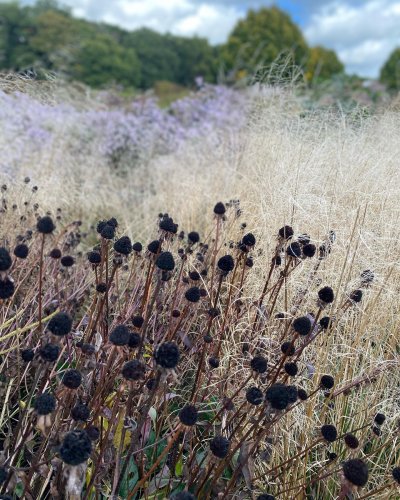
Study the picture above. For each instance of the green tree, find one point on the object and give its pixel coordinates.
(100, 60)
(260, 38)
(322, 64)
(390, 72)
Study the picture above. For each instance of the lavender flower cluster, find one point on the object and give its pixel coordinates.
(123, 136)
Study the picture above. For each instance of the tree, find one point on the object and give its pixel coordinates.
(322, 64)
(260, 38)
(390, 72)
(101, 61)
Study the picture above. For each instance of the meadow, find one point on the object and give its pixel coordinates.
(198, 301)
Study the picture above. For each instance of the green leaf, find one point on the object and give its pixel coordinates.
(130, 478)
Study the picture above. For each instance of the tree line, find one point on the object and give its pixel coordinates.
(46, 37)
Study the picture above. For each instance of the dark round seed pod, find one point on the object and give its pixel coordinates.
(113, 222)
(101, 225)
(194, 276)
(60, 324)
(165, 261)
(259, 364)
(332, 456)
(376, 430)
(351, 441)
(7, 288)
(356, 471)
(193, 237)
(108, 232)
(326, 295)
(93, 432)
(55, 253)
(291, 369)
(367, 276)
(134, 370)
(176, 313)
(309, 250)
(167, 224)
(67, 261)
(219, 208)
(254, 395)
(5, 259)
(277, 260)
(49, 352)
(303, 396)
(207, 338)
(154, 246)
(280, 396)
(396, 474)
(134, 340)
(94, 258)
(120, 335)
(27, 355)
(137, 247)
(44, 404)
(192, 294)
(88, 349)
(226, 264)
(76, 447)
(302, 325)
(379, 418)
(286, 232)
(324, 322)
(80, 412)
(150, 384)
(219, 446)
(294, 249)
(329, 433)
(304, 239)
(213, 362)
(21, 251)
(288, 348)
(188, 415)
(327, 382)
(167, 355)
(123, 245)
(182, 495)
(72, 379)
(45, 225)
(249, 240)
(265, 496)
(137, 321)
(249, 262)
(356, 296)
(101, 288)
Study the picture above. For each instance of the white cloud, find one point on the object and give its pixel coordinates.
(363, 36)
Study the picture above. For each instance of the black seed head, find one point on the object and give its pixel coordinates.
(226, 264)
(133, 370)
(309, 250)
(219, 446)
(326, 295)
(7, 288)
(213, 362)
(329, 433)
(324, 322)
(165, 261)
(303, 396)
(123, 245)
(302, 325)
(120, 335)
(88, 349)
(137, 321)
(249, 240)
(154, 246)
(60, 324)
(280, 396)
(327, 382)
(21, 251)
(291, 369)
(379, 418)
(254, 395)
(45, 225)
(107, 232)
(376, 430)
(288, 348)
(44, 404)
(55, 253)
(194, 276)
(167, 355)
(367, 276)
(188, 415)
(76, 447)
(182, 495)
(396, 474)
(27, 355)
(286, 232)
(192, 294)
(167, 224)
(5, 259)
(49, 352)
(137, 247)
(134, 340)
(351, 441)
(294, 249)
(356, 296)
(93, 432)
(101, 288)
(193, 237)
(259, 364)
(80, 412)
(219, 208)
(356, 472)
(72, 379)
(101, 225)
(94, 258)
(265, 496)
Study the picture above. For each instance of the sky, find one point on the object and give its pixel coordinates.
(362, 32)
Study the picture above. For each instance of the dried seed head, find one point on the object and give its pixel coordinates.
(120, 335)
(44, 404)
(7, 288)
(134, 340)
(101, 288)
(76, 447)
(324, 322)
(93, 432)
(294, 249)
(137, 247)
(249, 240)
(49, 352)
(226, 264)
(329, 433)
(67, 261)
(280, 396)
(21, 251)
(193, 237)
(302, 325)
(254, 395)
(327, 382)
(219, 208)
(27, 355)
(356, 472)
(356, 296)
(80, 412)
(309, 250)
(193, 294)
(213, 362)
(265, 496)
(182, 495)
(123, 245)
(55, 253)
(72, 379)
(259, 364)
(45, 225)
(134, 370)
(167, 355)
(326, 295)
(286, 232)
(137, 321)
(60, 324)
(288, 348)
(94, 258)
(291, 369)
(396, 474)
(219, 446)
(5, 259)
(188, 415)
(165, 261)
(154, 246)
(351, 441)
(379, 418)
